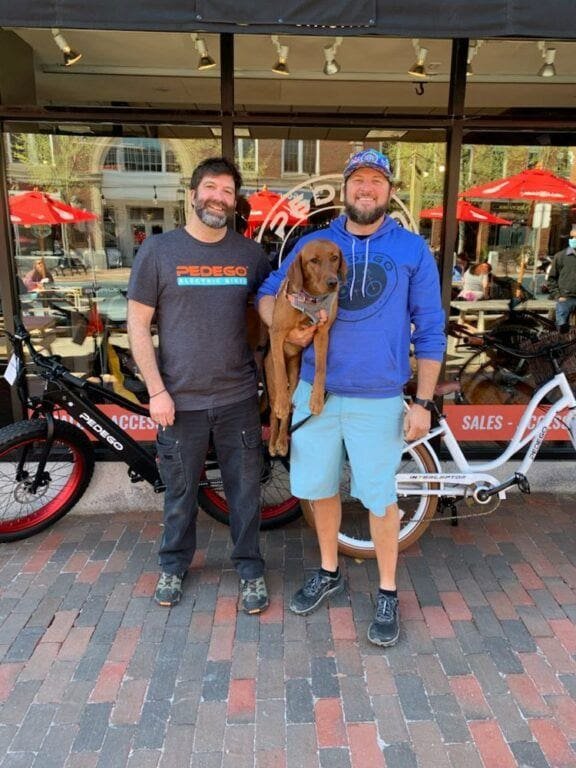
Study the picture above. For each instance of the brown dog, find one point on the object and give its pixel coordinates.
(309, 291)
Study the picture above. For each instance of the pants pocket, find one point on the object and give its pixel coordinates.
(170, 464)
(252, 438)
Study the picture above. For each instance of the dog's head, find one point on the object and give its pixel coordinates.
(318, 268)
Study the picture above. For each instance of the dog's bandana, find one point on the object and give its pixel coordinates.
(310, 305)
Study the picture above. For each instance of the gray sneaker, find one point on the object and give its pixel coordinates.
(385, 628)
(254, 595)
(169, 589)
(318, 587)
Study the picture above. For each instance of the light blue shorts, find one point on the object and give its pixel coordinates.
(369, 431)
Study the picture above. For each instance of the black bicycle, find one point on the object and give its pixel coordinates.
(46, 463)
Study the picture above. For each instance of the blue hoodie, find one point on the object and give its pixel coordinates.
(391, 298)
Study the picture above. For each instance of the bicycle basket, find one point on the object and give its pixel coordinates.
(541, 368)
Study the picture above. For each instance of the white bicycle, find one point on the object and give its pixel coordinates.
(423, 486)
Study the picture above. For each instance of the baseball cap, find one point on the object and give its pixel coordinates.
(369, 158)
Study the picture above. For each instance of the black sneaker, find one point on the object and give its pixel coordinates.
(169, 589)
(318, 587)
(385, 628)
(254, 595)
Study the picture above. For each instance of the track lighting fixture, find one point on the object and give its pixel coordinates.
(205, 61)
(548, 54)
(70, 55)
(418, 69)
(281, 66)
(331, 66)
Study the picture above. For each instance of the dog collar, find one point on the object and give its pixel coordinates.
(310, 305)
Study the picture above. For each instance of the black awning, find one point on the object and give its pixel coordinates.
(395, 18)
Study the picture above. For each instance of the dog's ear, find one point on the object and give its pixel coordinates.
(295, 275)
(342, 268)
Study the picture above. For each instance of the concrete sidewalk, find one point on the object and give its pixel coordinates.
(93, 673)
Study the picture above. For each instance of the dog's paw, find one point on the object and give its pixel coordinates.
(281, 447)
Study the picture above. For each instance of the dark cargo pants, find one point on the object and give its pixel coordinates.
(182, 448)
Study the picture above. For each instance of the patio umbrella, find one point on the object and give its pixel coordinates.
(33, 208)
(465, 211)
(266, 203)
(39, 208)
(532, 184)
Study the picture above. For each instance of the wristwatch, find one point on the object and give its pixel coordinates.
(428, 404)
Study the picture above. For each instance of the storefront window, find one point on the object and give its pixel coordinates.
(72, 275)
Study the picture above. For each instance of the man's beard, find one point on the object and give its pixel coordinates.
(359, 216)
(213, 219)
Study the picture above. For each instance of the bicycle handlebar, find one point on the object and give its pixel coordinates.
(48, 363)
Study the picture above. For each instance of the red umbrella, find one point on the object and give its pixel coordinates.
(266, 204)
(465, 211)
(533, 184)
(40, 208)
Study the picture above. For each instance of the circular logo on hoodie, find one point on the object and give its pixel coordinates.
(371, 280)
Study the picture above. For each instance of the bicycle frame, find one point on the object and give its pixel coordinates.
(477, 476)
(65, 392)
(77, 403)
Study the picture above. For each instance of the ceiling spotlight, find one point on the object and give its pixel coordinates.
(281, 66)
(70, 55)
(548, 54)
(331, 66)
(205, 61)
(418, 69)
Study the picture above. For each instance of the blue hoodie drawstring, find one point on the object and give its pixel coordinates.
(353, 269)
(366, 250)
(365, 276)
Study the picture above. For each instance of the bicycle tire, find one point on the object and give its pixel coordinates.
(354, 537)
(278, 506)
(70, 466)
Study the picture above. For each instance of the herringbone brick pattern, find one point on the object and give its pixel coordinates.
(94, 674)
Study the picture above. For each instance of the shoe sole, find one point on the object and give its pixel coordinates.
(170, 603)
(167, 603)
(253, 611)
(334, 591)
(383, 643)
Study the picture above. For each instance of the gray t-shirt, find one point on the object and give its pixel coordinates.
(200, 292)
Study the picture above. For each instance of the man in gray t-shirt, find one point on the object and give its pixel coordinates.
(196, 281)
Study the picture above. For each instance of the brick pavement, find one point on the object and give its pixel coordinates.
(94, 674)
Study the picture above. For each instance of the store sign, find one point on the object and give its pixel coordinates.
(470, 423)
(313, 200)
(481, 423)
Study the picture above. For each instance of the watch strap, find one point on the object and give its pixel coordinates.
(428, 404)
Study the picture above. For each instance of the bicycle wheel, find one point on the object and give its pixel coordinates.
(417, 511)
(278, 506)
(68, 471)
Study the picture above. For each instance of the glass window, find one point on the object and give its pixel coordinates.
(142, 155)
(73, 276)
(171, 163)
(299, 157)
(247, 156)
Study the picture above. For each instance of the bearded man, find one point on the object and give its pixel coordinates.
(391, 300)
(202, 379)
